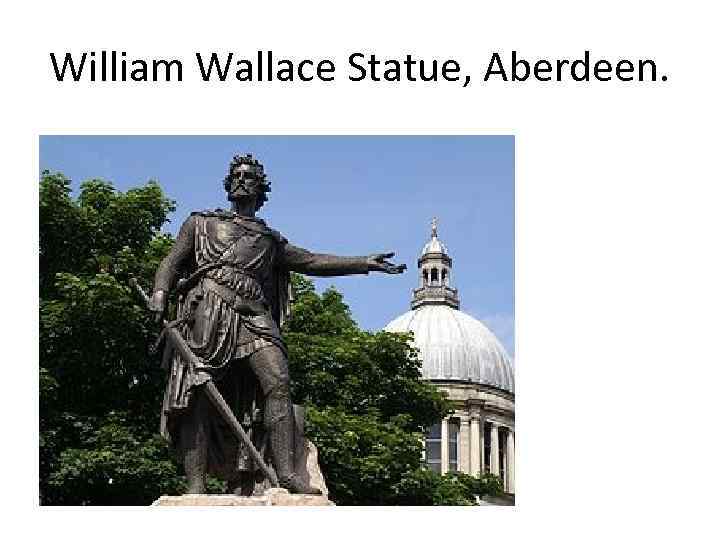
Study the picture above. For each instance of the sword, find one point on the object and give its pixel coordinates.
(211, 391)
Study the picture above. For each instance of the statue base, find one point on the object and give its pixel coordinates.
(271, 497)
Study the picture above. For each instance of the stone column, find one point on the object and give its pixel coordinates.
(476, 445)
(464, 445)
(510, 453)
(444, 447)
(494, 450)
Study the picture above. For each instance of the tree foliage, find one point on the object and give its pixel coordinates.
(100, 391)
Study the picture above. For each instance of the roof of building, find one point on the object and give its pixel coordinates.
(434, 246)
(455, 346)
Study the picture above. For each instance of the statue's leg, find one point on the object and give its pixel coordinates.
(194, 442)
(271, 368)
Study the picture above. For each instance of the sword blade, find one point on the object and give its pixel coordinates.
(216, 398)
(219, 402)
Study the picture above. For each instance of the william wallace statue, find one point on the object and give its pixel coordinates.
(231, 275)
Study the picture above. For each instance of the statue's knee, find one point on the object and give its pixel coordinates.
(279, 388)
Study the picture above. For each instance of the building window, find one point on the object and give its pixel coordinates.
(453, 447)
(486, 451)
(444, 277)
(424, 274)
(433, 276)
(502, 435)
(433, 445)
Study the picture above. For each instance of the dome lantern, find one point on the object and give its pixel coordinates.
(435, 266)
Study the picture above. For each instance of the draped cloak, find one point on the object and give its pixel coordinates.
(234, 309)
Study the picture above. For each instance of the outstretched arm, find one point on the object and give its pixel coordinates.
(319, 264)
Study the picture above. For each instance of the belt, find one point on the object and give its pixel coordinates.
(242, 305)
(185, 284)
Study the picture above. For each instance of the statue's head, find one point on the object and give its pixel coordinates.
(246, 179)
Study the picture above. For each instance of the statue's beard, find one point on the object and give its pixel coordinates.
(243, 198)
(239, 193)
(244, 188)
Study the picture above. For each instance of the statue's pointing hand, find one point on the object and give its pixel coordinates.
(378, 263)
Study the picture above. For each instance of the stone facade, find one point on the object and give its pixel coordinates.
(479, 412)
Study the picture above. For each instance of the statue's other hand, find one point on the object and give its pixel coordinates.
(158, 303)
(377, 263)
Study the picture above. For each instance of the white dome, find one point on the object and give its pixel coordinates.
(434, 246)
(455, 346)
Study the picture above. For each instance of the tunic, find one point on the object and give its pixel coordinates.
(237, 306)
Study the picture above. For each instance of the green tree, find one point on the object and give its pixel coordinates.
(100, 392)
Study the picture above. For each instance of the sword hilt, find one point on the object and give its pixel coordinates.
(158, 342)
(140, 291)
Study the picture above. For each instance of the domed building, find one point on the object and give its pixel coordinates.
(461, 356)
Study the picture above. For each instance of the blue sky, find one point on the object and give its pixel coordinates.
(348, 195)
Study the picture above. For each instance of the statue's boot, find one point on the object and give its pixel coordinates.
(294, 484)
(282, 442)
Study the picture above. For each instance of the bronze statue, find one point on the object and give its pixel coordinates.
(231, 273)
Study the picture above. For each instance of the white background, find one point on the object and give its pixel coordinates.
(617, 224)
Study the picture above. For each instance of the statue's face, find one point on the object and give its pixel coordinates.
(245, 182)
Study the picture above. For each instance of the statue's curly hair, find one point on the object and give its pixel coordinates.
(256, 183)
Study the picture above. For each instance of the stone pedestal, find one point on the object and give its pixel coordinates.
(271, 497)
